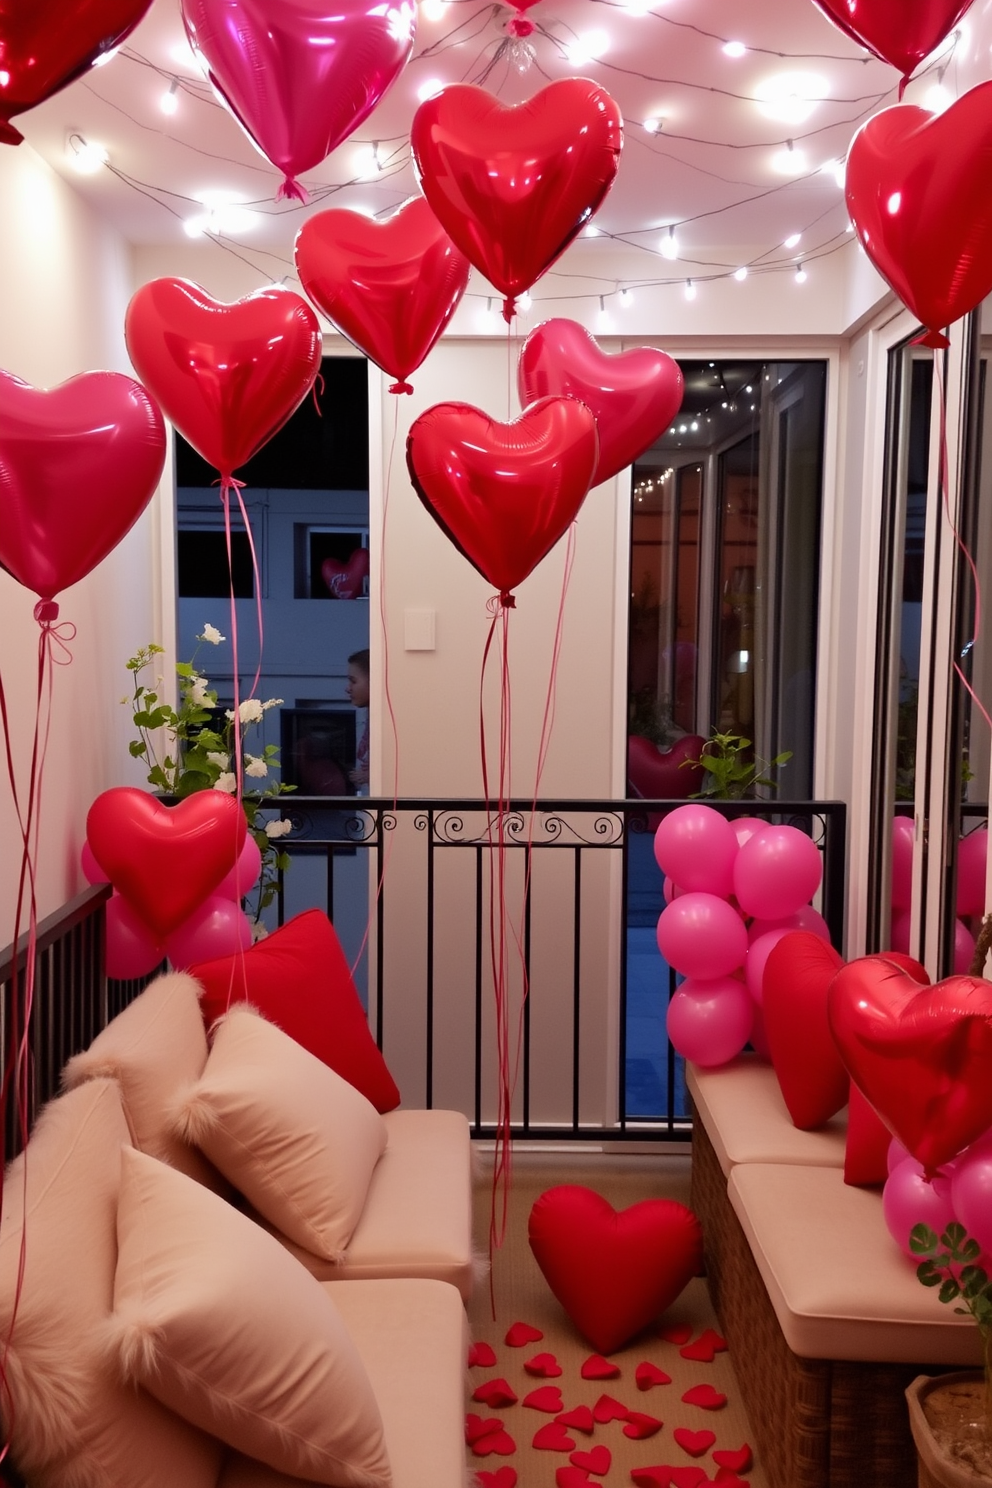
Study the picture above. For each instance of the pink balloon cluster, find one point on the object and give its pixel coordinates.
(972, 858)
(733, 889)
(219, 927)
(961, 1191)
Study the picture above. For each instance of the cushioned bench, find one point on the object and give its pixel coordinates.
(741, 1106)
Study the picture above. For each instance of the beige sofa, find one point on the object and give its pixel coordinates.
(164, 1337)
(811, 1290)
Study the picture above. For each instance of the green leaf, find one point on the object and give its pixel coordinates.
(158, 777)
(136, 748)
(923, 1240)
(192, 781)
(283, 861)
(949, 1290)
(953, 1235)
(927, 1274)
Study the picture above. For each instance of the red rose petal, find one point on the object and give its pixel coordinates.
(520, 1334)
(596, 1367)
(580, 1419)
(740, 1460)
(572, 1477)
(705, 1346)
(706, 1397)
(494, 1393)
(544, 1366)
(687, 1477)
(503, 1477)
(597, 1460)
(647, 1374)
(652, 1477)
(609, 1409)
(640, 1426)
(730, 1479)
(676, 1332)
(553, 1438)
(500, 1442)
(547, 1398)
(693, 1442)
(476, 1427)
(483, 1355)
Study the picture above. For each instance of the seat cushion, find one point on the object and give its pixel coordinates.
(76, 1425)
(742, 1108)
(298, 978)
(840, 1286)
(154, 1048)
(417, 1219)
(294, 1137)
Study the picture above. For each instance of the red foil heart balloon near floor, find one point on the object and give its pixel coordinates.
(899, 34)
(634, 395)
(300, 75)
(45, 44)
(662, 774)
(391, 287)
(917, 192)
(922, 1055)
(227, 375)
(503, 493)
(165, 860)
(513, 186)
(78, 466)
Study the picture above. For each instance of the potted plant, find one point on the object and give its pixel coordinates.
(951, 1414)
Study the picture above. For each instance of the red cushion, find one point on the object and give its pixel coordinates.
(810, 1071)
(299, 979)
(868, 1138)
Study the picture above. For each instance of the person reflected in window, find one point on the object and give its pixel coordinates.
(357, 688)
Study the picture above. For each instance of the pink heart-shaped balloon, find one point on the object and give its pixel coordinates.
(513, 186)
(346, 580)
(922, 1055)
(300, 75)
(661, 774)
(633, 395)
(78, 466)
(917, 192)
(900, 34)
(165, 860)
(503, 493)
(391, 287)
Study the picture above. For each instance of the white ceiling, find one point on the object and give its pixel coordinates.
(710, 168)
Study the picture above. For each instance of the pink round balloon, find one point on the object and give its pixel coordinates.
(902, 862)
(132, 950)
(897, 1154)
(964, 948)
(92, 871)
(218, 928)
(973, 852)
(759, 1036)
(776, 873)
(908, 1200)
(746, 827)
(702, 936)
(806, 918)
(671, 890)
(696, 846)
(899, 932)
(758, 953)
(710, 1021)
(244, 875)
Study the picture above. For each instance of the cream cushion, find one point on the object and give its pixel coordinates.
(214, 1318)
(741, 1106)
(153, 1048)
(840, 1287)
(413, 1339)
(75, 1424)
(298, 1141)
(417, 1219)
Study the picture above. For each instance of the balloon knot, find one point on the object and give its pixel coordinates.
(400, 387)
(520, 26)
(935, 339)
(292, 190)
(46, 612)
(507, 600)
(509, 309)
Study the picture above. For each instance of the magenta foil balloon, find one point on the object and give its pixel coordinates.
(300, 75)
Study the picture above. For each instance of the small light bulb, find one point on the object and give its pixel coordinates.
(429, 89)
(652, 125)
(626, 298)
(169, 103)
(694, 427)
(740, 274)
(801, 275)
(591, 231)
(669, 246)
(433, 10)
(792, 241)
(690, 290)
(734, 49)
(106, 57)
(524, 302)
(85, 156)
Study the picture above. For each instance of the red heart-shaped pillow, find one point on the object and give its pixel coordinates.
(922, 1055)
(661, 774)
(228, 376)
(810, 1071)
(900, 34)
(917, 192)
(346, 580)
(613, 1272)
(633, 395)
(503, 493)
(165, 860)
(391, 287)
(513, 186)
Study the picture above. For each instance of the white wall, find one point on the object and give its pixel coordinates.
(65, 278)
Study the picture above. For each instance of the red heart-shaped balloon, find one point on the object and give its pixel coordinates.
(503, 493)
(165, 860)
(391, 287)
(811, 1074)
(301, 75)
(633, 395)
(47, 43)
(78, 465)
(661, 774)
(922, 1055)
(900, 34)
(613, 1272)
(228, 376)
(513, 186)
(917, 192)
(346, 580)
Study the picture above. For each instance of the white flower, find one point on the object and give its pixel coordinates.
(218, 757)
(272, 703)
(197, 693)
(228, 782)
(278, 828)
(212, 634)
(250, 711)
(255, 767)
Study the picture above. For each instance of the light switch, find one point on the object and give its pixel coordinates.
(418, 630)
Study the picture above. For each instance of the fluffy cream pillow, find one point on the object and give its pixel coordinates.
(218, 1322)
(297, 1140)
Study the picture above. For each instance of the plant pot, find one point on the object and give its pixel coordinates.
(937, 1467)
